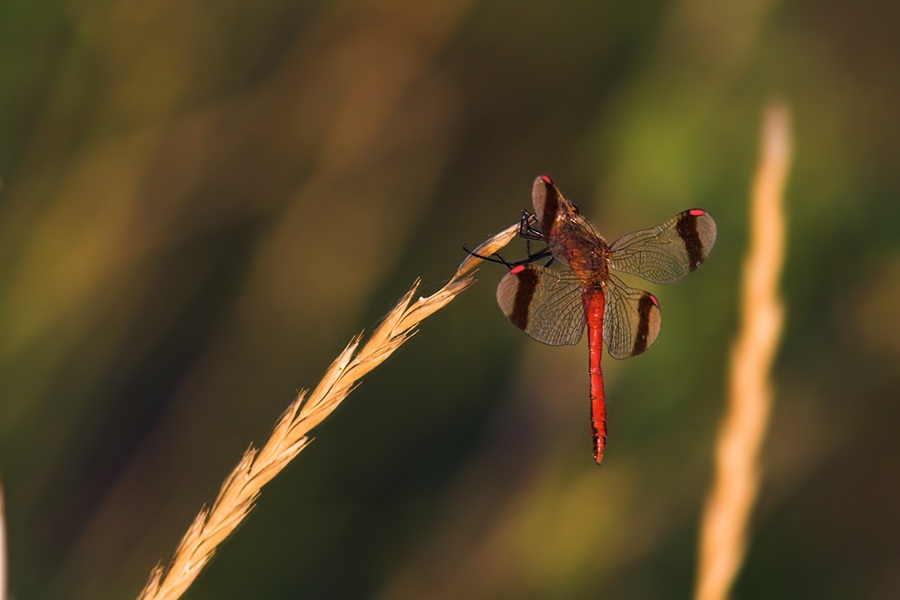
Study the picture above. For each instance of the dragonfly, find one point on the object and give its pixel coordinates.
(553, 306)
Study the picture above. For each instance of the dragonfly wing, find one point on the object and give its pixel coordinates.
(669, 252)
(544, 303)
(548, 203)
(631, 320)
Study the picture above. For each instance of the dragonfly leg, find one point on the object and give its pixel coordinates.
(494, 258)
(534, 257)
(528, 227)
(529, 231)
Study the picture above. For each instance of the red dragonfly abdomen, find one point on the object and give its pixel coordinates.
(594, 305)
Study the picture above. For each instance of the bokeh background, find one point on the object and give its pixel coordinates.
(204, 200)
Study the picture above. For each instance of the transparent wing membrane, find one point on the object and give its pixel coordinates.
(544, 303)
(631, 320)
(666, 253)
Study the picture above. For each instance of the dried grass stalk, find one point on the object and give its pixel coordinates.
(241, 489)
(724, 528)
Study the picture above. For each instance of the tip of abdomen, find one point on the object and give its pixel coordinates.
(599, 447)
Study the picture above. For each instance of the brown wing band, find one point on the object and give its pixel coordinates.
(687, 231)
(551, 205)
(645, 305)
(528, 281)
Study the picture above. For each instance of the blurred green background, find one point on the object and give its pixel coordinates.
(204, 200)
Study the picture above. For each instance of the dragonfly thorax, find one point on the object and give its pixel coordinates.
(585, 252)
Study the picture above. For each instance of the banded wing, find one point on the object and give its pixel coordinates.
(544, 303)
(666, 253)
(548, 203)
(631, 320)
